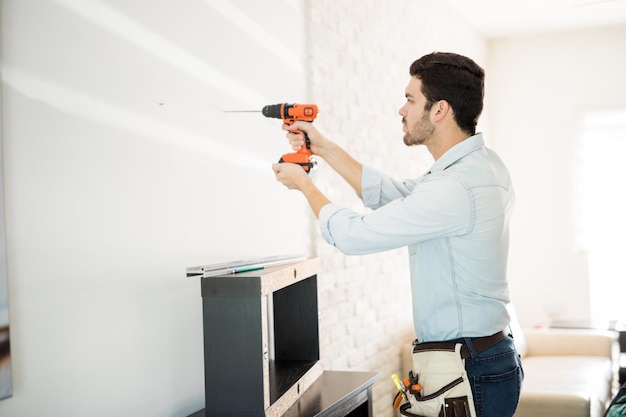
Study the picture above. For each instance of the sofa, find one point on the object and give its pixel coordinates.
(567, 373)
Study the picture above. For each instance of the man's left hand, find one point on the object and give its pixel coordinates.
(291, 176)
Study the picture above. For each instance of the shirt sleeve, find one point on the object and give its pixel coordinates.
(436, 207)
(378, 189)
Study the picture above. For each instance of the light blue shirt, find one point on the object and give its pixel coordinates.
(455, 222)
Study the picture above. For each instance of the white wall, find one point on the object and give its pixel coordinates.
(121, 170)
(539, 88)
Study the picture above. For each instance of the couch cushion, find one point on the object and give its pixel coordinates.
(565, 386)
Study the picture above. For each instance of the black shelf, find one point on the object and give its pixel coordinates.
(261, 339)
(333, 394)
(261, 349)
(285, 374)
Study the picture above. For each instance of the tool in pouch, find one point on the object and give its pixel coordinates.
(406, 387)
(291, 113)
(442, 390)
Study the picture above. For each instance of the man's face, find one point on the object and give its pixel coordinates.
(416, 122)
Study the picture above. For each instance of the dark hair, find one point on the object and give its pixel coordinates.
(456, 79)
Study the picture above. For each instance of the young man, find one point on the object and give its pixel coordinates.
(454, 221)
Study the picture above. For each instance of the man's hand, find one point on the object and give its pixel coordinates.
(296, 140)
(291, 176)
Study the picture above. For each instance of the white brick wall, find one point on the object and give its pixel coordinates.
(359, 56)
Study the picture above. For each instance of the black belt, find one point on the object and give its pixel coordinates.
(480, 344)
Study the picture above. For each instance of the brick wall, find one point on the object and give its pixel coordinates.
(359, 52)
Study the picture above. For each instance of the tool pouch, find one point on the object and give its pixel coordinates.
(446, 391)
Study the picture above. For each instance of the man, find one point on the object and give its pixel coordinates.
(454, 221)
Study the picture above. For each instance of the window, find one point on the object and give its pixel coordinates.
(601, 192)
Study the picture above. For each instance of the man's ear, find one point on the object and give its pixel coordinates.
(440, 110)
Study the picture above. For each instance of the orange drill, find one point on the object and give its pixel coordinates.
(291, 113)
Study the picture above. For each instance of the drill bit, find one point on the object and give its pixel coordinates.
(242, 111)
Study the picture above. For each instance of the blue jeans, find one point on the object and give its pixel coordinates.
(495, 376)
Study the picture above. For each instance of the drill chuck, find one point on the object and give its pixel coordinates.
(273, 111)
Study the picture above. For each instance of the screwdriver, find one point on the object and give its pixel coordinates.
(400, 386)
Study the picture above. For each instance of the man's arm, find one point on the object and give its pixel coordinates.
(344, 164)
(293, 177)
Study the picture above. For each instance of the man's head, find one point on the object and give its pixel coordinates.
(455, 79)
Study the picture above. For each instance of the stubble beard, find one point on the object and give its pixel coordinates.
(421, 132)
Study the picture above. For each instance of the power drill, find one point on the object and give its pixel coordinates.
(291, 113)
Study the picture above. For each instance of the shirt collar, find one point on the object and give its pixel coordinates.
(458, 151)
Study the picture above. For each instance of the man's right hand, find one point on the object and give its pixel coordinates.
(296, 140)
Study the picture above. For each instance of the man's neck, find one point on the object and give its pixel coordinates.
(442, 142)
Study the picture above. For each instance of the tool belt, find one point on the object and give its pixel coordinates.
(438, 383)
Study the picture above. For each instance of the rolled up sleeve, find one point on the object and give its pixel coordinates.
(378, 189)
(423, 214)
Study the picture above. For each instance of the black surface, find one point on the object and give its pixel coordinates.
(336, 394)
(622, 370)
(296, 335)
(622, 349)
(244, 285)
(234, 350)
(333, 394)
(284, 374)
(233, 355)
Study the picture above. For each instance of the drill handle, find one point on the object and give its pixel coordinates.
(307, 141)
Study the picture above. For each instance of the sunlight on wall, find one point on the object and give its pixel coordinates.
(260, 36)
(91, 108)
(601, 201)
(105, 16)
